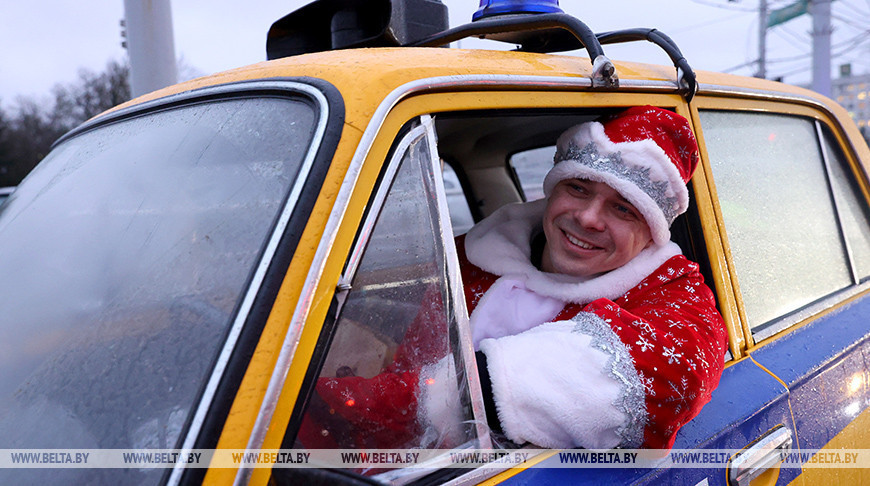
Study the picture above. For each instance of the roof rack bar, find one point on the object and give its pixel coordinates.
(526, 31)
(684, 72)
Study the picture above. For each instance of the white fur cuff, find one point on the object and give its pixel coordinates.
(552, 388)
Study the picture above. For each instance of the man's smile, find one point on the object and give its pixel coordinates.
(577, 242)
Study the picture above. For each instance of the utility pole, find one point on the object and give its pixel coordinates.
(150, 45)
(820, 10)
(762, 40)
(821, 13)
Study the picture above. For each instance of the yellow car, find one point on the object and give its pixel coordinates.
(180, 271)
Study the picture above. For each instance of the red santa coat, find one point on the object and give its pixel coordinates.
(623, 359)
(626, 359)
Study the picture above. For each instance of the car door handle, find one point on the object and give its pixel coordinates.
(759, 456)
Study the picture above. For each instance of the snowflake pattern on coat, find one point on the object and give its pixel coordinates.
(672, 330)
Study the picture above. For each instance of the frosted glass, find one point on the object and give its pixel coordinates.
(778, 211)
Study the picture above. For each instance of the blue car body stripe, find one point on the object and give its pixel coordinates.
(747, 403)
(823, 364)
(819, 362)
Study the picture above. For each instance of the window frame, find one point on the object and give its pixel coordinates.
(454, 279)
(839, 206)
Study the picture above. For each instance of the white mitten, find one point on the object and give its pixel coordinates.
(554, 388)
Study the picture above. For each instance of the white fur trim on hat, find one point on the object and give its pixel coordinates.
(588, 153)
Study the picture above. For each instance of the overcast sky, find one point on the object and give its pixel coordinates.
(46, 42)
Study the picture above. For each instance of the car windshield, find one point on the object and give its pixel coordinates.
(125, 256)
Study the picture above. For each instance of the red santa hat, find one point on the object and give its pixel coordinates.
(645, 153)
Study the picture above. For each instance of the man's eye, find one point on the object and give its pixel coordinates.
(625, 211)
(577, 188)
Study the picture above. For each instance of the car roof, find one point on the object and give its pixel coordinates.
(381, 70)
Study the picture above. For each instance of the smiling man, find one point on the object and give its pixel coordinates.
(592, 329)
(590, 229)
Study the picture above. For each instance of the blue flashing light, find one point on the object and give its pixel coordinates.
(491, 8)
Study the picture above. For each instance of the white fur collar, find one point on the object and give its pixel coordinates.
(501, 245)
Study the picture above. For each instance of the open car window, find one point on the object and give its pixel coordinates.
(461, 218)
(531, 166)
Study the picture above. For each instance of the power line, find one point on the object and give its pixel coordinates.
(799, 57)
(846, 46)
(796, 71)
(712, 22)
(849, 17)
(852, 43)
(735, 68)
(849, 22)
(725, 7)
(860, 61)
(795, 37)
(856, 10)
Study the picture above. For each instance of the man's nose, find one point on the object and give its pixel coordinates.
(591, 215)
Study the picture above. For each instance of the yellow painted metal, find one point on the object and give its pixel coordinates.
(714, 229)
(324, 291)
(382, 70)
(509, 473)
(856, 435)
(243, 413)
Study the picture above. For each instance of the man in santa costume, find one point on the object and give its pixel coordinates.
(591, 328)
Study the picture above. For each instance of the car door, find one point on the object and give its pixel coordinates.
(792, 194)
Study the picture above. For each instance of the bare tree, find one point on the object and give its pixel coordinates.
(92, 94)
(26, 135)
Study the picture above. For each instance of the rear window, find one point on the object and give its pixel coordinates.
(797, 223)
(125, 256)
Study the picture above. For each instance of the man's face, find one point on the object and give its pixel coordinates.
(590, 229)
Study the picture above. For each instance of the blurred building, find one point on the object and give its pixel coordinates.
(853, 92)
